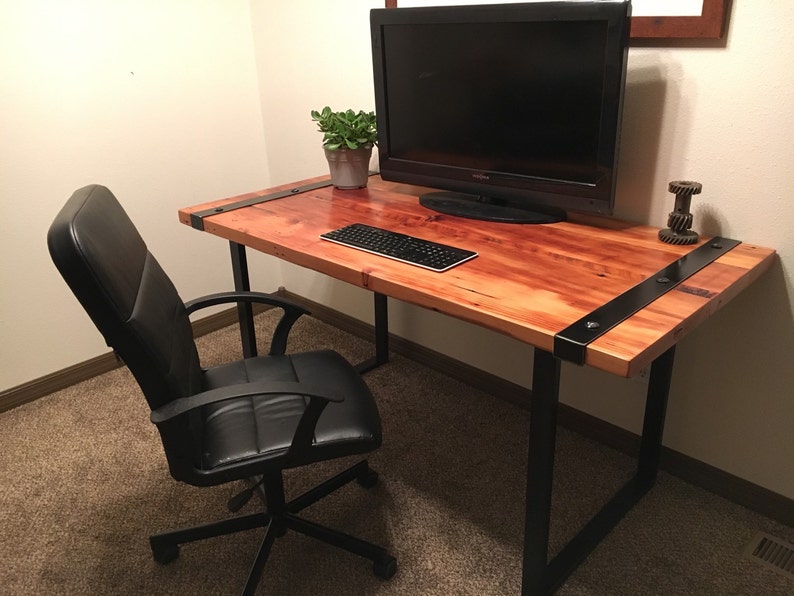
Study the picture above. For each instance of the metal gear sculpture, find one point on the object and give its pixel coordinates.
(679, 221)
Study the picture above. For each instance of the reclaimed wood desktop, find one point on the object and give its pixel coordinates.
(535, 283)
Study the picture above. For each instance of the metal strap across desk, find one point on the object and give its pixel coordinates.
(541, 284)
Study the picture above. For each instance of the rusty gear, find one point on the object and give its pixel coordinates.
(680, 219)
(672, 237)
(685, 187)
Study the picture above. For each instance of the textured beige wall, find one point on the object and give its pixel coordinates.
(156, 100)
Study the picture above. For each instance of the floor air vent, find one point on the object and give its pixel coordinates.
(773, 553)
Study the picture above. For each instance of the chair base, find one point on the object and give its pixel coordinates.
(279, 517)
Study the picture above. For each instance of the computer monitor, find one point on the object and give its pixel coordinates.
(513, 111)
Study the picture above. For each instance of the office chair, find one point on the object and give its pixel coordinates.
(245, 420)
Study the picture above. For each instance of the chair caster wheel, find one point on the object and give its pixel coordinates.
(165, 554)
(368, 479)
(385, 568)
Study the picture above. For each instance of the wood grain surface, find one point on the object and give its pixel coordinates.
(528, 282)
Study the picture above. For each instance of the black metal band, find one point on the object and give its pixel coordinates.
(571, 343)
(197, 218)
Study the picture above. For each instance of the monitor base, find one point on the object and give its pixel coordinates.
(485, 209)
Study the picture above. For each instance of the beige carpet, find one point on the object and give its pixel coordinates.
(83, 483)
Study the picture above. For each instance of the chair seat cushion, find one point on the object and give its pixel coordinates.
(258, 430)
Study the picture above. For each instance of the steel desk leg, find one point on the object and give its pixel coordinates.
(245, 314)
(245, 311)
(381, 335)
(540, 577)
(655, 412)
(540, 469)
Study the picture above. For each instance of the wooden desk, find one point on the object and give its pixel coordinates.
(531, 282)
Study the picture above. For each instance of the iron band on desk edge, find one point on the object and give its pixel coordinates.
(571, 343)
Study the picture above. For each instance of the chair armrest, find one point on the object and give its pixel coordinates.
(292, 311)
(304, 432)
(181, 406)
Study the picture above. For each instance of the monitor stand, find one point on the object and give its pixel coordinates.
(487, 209)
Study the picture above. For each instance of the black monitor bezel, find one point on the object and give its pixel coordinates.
(518, 191)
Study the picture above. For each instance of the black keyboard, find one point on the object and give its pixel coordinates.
(414, 251)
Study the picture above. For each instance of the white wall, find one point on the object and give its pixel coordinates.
(172, 103)
(310, 54)
(157, 100)
(720, 113)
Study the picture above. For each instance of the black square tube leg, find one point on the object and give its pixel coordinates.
(381, 335)
(381, 328)
(540, 470)
(540, 577)
(653, 423)
(245, 312)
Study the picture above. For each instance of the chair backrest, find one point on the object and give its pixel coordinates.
(130, 299)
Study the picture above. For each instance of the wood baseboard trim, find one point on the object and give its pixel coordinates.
(691, 470)
(32, 390)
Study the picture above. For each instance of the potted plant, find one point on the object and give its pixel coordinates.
(348, 138)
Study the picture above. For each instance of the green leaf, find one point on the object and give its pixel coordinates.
(347, 128)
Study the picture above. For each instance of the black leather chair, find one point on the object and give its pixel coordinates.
(245, 420)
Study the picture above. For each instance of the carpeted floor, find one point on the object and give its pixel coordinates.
(83, 482)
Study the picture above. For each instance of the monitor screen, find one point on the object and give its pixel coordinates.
(513, 107)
